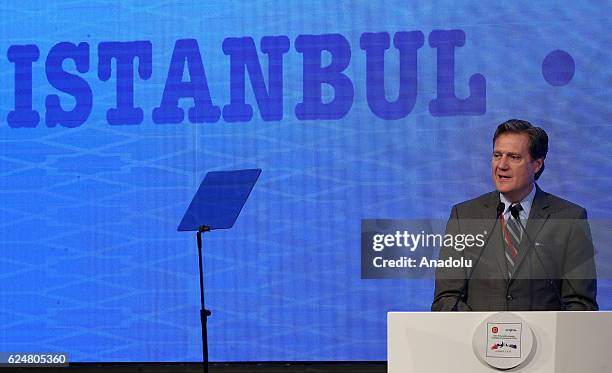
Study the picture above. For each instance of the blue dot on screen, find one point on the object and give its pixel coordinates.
(558, 68)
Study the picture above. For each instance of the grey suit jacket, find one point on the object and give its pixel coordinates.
(558, 248)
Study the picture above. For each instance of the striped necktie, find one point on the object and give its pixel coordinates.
(513, 232)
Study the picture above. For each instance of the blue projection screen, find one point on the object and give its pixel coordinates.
(111, 113)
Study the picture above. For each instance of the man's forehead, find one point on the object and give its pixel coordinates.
(516, 142)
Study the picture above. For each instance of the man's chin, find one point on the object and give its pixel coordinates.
(504, 189)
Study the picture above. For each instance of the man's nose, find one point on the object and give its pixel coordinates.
(503, 162)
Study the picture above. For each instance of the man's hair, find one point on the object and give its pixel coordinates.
(538, 139)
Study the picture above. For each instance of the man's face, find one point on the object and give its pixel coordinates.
(513, 168)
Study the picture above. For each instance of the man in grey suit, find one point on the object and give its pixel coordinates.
(538, 253)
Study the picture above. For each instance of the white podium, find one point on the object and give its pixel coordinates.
(447, 342)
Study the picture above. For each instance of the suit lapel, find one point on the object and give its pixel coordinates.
(537, 217)
(496, 244)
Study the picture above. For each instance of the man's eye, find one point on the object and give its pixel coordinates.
(515, 157)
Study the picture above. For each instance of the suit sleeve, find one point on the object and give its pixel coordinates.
(449, 281)
(579, 284)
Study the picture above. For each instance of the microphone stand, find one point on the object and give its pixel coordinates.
(499, 211)
(515, 214)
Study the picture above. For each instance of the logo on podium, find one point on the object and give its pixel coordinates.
(503, 341)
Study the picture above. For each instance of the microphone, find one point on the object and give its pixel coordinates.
(499, 211)
(514, 211)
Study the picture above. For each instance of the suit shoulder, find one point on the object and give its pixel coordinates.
(564, 206)
(478, 201)
(474, 206)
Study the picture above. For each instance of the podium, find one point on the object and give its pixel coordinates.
(441, 342)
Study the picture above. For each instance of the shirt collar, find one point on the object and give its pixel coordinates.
(526, 203)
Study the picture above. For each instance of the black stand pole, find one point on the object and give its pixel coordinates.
(204, 313)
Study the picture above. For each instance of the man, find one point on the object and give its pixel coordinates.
(538, 253)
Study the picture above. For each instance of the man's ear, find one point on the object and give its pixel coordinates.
(538, 164)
